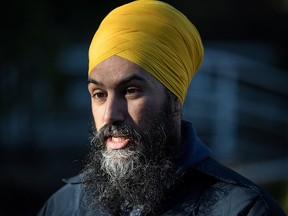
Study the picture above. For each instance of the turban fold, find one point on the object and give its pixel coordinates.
(155, 36)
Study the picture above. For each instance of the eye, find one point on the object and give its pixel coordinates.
(131, 91)
(99, 95)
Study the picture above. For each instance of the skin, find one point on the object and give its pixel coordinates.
(122, 91)
(138, 121)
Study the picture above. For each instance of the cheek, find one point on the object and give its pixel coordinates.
(141, 113)
(96, 117)
(137, 112)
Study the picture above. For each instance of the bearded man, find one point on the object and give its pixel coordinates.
(145, 160)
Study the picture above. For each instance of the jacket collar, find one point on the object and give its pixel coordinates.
(198, 157)
(194, 150)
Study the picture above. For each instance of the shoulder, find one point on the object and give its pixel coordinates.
(232, 194)
(65, 201)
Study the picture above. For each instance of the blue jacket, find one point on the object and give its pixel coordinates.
(207, 188)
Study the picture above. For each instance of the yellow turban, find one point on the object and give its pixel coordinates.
(154, 35)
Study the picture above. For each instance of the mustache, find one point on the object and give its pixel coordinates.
(118, 130)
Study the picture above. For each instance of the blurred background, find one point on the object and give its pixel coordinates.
(238, 101)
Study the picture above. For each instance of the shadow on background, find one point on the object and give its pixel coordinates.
(237, 101)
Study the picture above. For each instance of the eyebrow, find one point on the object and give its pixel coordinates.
(127, 79)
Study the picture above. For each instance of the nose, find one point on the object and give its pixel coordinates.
(114, 109)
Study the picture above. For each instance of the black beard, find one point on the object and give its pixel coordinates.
(136, 178)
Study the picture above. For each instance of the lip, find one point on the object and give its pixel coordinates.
(116, 142)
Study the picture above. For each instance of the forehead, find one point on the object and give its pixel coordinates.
(115, 69)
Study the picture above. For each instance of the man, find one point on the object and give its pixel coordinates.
(145, 160)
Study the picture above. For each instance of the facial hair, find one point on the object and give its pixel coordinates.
(136, 178)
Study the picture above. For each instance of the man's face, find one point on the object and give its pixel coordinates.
(121, 91)
(134, 138)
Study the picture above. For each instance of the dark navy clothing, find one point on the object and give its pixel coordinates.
(206, 188)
